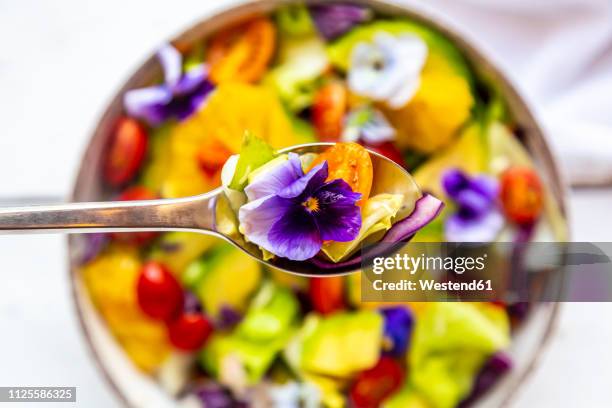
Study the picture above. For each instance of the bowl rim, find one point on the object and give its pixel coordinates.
(424, 13)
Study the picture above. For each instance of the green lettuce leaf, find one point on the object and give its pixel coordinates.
(254, 153)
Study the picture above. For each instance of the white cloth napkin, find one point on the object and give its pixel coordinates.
(559, 54)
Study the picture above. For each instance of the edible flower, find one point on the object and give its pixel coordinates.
(397, 330)
(333, 20)
(290, 213)
(179, 96)
(477, 218)
(368, 125)
(388, 69)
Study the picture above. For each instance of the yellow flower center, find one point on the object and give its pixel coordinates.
(312, 204)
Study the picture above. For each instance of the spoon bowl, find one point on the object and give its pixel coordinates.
(208, 213)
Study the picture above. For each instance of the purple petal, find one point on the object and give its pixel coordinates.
(94, 244)
(454, 181)
(296, 236)
(338, 216)
(307, 183)
(191, 80)
(333, 20)
(191, 303)
(398, 328)
(495, 368)
(483, 229)
(171, 62)
(472, 204)
(148, 104)
(276, 179)
(257, 218)
(182, 106)
(486, 186)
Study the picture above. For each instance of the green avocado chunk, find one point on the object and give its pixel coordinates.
(343, 344)
(254, 153)
(227, 277)
(450, 343)
(259, 337)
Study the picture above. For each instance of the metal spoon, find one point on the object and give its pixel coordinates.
(205, 213)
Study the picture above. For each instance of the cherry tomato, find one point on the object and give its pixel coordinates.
(351, 163)
(328, 111)
(158, 292)
(522, 195)
(136, 238)
(390, 151)
(126, 152)
(242, 53)
(190, 331)
(327, 294)
(212, 156)
(373, 386)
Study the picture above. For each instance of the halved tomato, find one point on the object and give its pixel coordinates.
(242, 53)
(350, 162)
(522, 194)
(212, 156)
(126, 152)
(327, 294)
(373, 386)
(328, 111)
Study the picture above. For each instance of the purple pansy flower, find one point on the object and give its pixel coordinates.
(477, 218)
(333, 20)
(179, 96)
(290, 213)
(397, 329)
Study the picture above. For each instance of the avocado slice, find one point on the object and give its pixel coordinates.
(259, 337)
(230, 278)
(343, 344)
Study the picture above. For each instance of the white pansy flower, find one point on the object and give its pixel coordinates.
(369, 125)
(388, 69)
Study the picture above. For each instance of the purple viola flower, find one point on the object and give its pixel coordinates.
(397, 329)
(290, 213)
(179, 96)
(333, 20)
(496, 367)
(477, 217)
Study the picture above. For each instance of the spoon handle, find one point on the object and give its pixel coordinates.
(190, 213)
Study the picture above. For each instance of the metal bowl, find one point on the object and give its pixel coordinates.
(136, 389)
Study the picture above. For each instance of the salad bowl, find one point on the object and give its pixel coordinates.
(114, 345)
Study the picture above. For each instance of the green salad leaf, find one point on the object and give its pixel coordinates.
(254, 153)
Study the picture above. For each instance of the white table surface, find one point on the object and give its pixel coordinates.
(59, 63)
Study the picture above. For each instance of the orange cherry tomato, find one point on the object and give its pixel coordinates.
(350, 162)
(242, 53)
(126, 152)
(522, 195)
(190, 331)
(136, 238)
(373, 386)
(328, 111)
(159, 294)
(212, 156)
(327, 294)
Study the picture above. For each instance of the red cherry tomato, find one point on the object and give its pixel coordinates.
(373, 386)
(158, 292)
(136, 238)
(327, 294)
(522, 195)
(126, 152)
(190, 331)
(212, 155)
(389, 150)
(328, 111)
